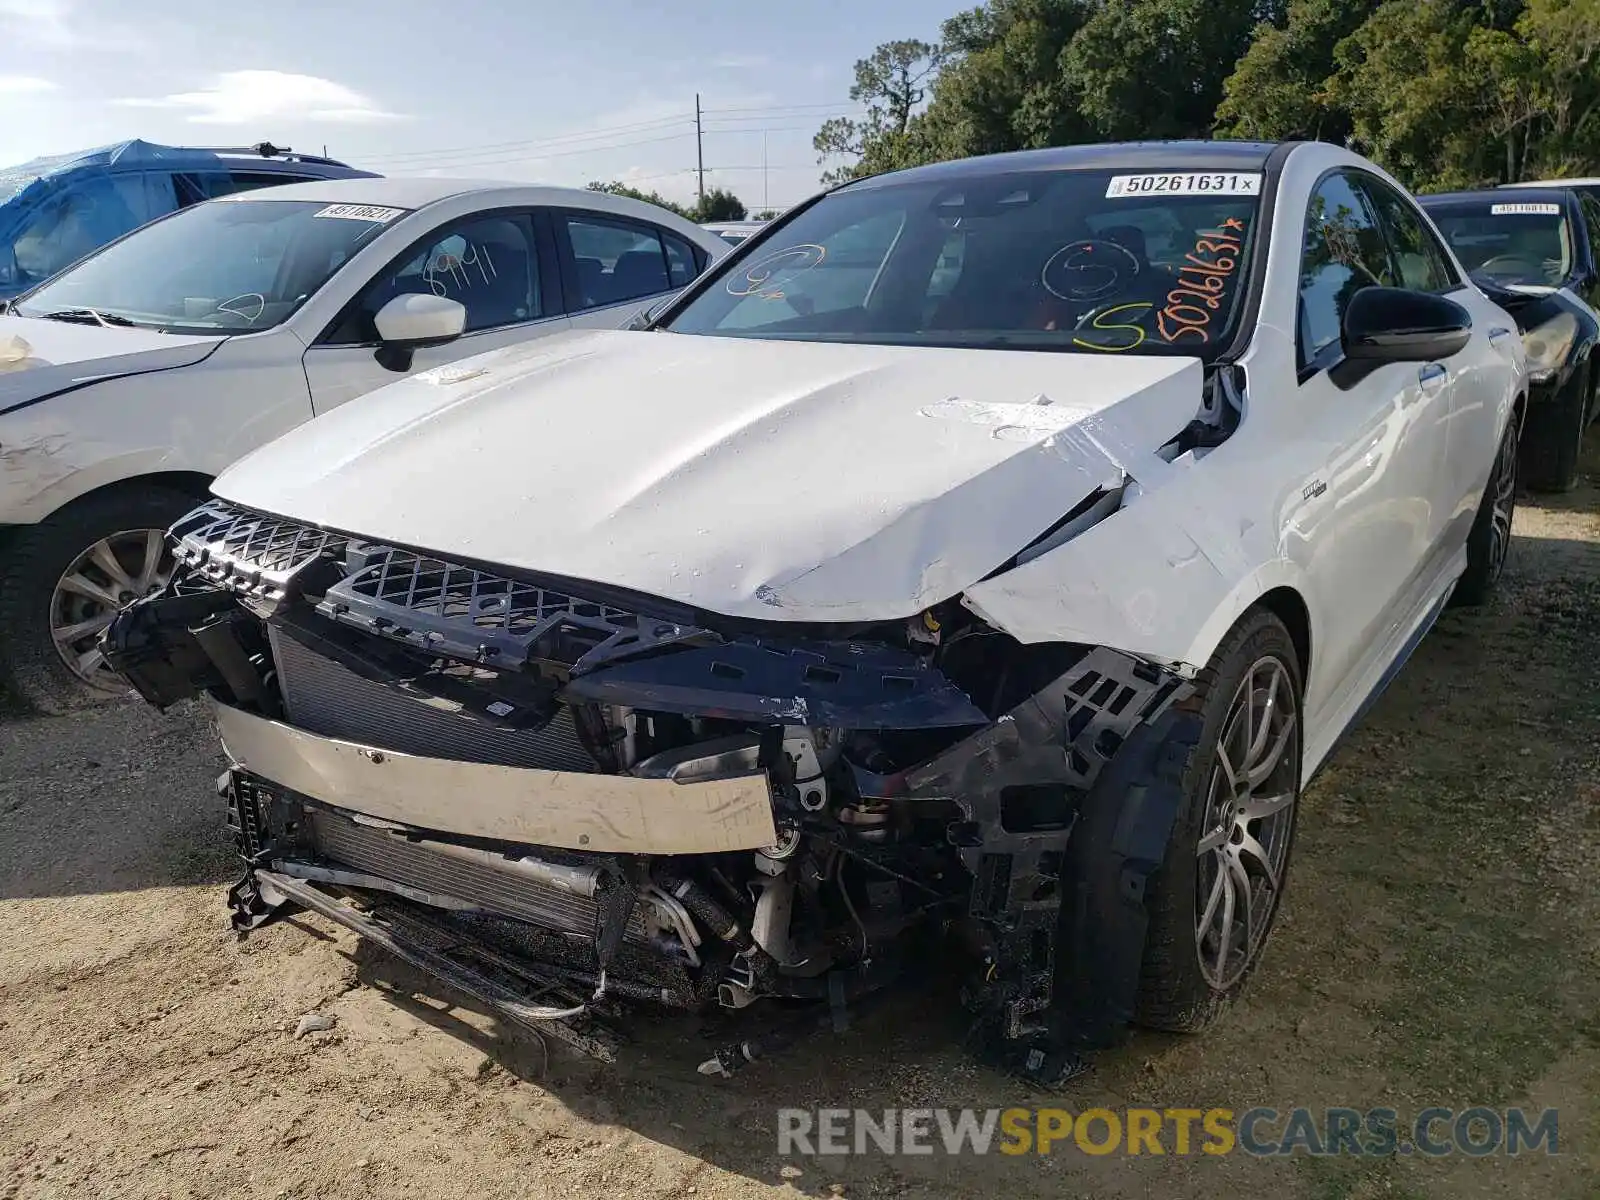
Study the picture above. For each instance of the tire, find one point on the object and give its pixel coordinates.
(1489, 541)
(1552, 441)
(35, 560)
(1181, 988)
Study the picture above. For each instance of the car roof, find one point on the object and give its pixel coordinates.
(416, 193)
(135, 154)
(1587, 182)
(1554, 194)
(1192, 155)
(422, 191)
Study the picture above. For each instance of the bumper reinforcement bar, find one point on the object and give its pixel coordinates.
(406, 936)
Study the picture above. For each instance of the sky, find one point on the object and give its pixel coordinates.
(557, 93)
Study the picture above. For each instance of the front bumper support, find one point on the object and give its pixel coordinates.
(407, 936)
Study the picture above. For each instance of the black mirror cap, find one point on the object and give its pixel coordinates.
(1383, 324)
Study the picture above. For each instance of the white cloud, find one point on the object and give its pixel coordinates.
(742, 62)
(41, 22)
(24, 85)
(249, 97)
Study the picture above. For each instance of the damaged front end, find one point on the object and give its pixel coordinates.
(558, 799)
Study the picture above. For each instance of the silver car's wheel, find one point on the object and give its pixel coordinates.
(1245, 836)
(111, 573)
(1503, 505)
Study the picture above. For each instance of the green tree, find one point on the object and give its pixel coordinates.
(1561, 40)
(1002, 87)
(1414, 102)
(617, 188)
(718, 204)
(1278, 90)
(1155, 68)
(892, 83)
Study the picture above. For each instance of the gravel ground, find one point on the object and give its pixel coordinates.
(1439, 945)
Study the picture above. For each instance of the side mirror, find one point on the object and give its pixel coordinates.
(1390, 325)
(417, 319)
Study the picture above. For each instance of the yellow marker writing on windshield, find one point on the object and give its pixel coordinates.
(1100, 323)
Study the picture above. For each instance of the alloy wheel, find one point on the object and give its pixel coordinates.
(113, 572)
(1503, 504)
(1250, 809)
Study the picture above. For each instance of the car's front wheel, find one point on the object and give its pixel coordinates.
(1213, 902)
(64, 579)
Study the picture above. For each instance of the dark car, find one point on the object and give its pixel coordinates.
(1535, 252)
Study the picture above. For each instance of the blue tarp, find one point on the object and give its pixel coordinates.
(16, 180)
(111, 192)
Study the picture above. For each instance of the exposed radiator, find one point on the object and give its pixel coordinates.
(458, 872)
(324, 697)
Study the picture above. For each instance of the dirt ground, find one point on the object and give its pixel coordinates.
(1440, 945)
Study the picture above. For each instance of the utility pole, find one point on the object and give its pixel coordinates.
(699, 150)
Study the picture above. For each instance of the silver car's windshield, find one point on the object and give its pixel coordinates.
(233, 266)
(1097, 261)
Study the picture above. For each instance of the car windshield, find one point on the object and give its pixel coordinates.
(234, 266)
(1505, 240)
(1078, 260)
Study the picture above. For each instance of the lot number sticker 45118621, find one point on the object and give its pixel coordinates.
(1185, 184)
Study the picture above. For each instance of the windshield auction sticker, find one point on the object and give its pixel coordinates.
(361, 212)
(1206, 184)
(1525, 209)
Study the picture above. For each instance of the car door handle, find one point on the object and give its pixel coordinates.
(1432, 376)
(1498, 335)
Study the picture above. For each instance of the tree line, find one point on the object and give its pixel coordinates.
(718, 204)
(1442, 93)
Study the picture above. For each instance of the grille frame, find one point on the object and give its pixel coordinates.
(254, 554)
(324, 697)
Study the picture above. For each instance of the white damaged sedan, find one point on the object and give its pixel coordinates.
(987, 552)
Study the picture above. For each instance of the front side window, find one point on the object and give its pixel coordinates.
(69, 225)
(487, 264)
(618, 260)
(1344, 251)
(1093, 261)
(1418, 258)
(231, 266)
(1506, 239)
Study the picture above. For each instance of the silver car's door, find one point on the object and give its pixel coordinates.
(495, 264)
(1374, 513)
(1481, 374)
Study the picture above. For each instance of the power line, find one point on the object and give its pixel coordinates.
(774, 108)
(718, 116)
(458, 151)
(540, 155)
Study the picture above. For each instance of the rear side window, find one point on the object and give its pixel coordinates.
(616, 260)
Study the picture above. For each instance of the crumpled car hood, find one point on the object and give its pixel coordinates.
(39, 358)
(762, 479)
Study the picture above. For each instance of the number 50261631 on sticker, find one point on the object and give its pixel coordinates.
(1185, 184)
